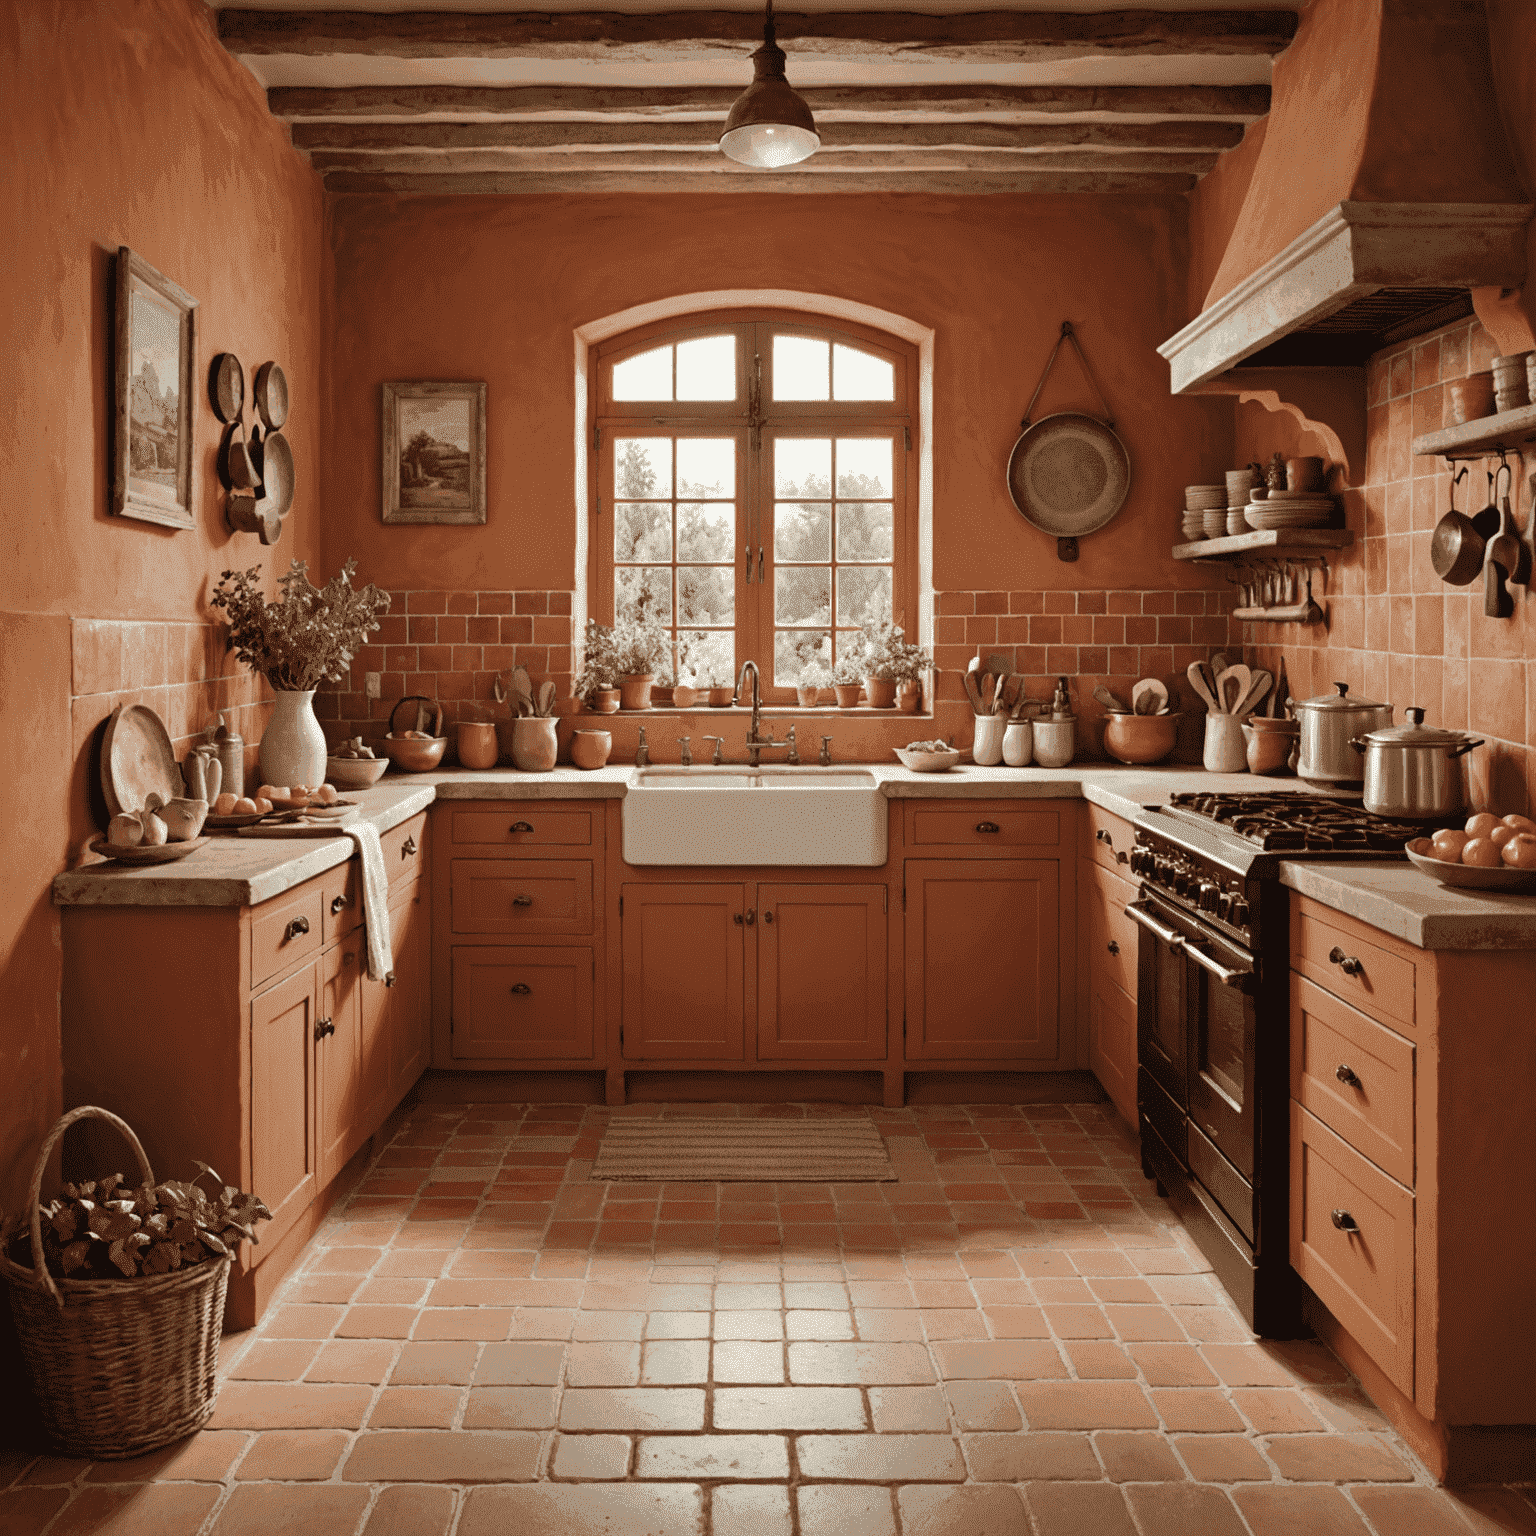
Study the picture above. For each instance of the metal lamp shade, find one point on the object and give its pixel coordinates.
(770, 126)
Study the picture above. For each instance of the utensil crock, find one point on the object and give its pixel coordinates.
(987, 748)
(1019, 743)
(1055, 740)
(1329, 723)
(534, 743)
(1225, 750)
(1414, 771)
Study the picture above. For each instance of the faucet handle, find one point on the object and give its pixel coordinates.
(826, 752)
(719, 753)
(687, 757)
(794, 751)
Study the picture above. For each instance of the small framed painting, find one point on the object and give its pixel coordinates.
(152, 395)
(434, 453)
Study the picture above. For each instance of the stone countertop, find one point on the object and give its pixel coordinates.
(1396, 898)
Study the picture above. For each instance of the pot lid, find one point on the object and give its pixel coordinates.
(1415, 733)
(1331, 702)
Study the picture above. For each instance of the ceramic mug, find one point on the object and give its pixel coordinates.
(1304, 474)
(987, 748)
(1225, 749)
(590, 749)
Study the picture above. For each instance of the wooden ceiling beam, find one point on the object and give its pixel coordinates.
(1239, 103)
(839, 183)
(1015, 36)
(1194, 136)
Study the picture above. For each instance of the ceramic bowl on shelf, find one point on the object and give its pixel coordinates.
(413, 755)
(1472, 397)
(1216, 523)
(1140, 738)
(927, 762)
(355, 772)
(1468, 877)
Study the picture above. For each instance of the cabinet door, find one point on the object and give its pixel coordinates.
(339, 1060)
(409, 1013)
(684, 980)
(1112, 1044)
(522, 1004)
(283, 1154)
(821, 971)
(981, 959)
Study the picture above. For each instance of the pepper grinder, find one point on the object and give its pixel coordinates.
(231, 750)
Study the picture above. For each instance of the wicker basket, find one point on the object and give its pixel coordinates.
(118, 1367)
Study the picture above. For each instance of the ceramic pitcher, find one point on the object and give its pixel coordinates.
(1225, 749)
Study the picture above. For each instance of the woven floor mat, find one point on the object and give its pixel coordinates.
(743, 1151)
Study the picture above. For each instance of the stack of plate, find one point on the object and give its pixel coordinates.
(1237, 521)
(1194, 526)
(1239, 483)
(1291, 509)
(1199, 502)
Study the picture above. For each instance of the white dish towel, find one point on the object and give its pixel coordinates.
(381, 960)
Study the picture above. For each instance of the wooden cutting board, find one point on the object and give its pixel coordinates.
(306, 828)
(137, 760)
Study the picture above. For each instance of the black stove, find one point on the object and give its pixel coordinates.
(1326, 826)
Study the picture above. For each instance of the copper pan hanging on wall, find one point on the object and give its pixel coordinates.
(1068, 474)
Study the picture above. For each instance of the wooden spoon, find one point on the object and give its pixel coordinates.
(1232, 684)
(1197, 681)
(1149, 696)
(1253, 694)
(1110, 702)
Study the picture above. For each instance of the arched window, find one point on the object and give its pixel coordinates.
(753, 493)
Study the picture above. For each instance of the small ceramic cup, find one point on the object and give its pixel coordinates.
(590, 749)
(477, 744)
(1304, 474)
(1019, 743)
(1472, 397)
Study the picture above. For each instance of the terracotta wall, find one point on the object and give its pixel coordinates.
(1396, 631)
(125, 123)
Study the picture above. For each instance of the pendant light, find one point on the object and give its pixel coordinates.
(769, 126)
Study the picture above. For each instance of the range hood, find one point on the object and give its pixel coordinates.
(1365, 275)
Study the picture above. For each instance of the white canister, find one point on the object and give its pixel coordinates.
(1019, 743)
(1225, 749)
(987, 748)
(1054, 741)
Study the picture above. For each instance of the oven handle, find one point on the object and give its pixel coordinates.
(1224, 974)
(1182, 946)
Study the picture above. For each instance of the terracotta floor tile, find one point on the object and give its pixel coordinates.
(407, 1510)
(829, 1326)
(744, 1510)
(1337, 1459)
(270, 1405)
(391, 1290)
(492, 1323)
(674, 1362)
(1223, 1459)
(983, 1405)
(293, 1456)
(749, 1325)
(302, 1322)
(909, 1410)
(889, 1324)
(1018, 1360)
(735, 1458)
(205, 1457)
(602, 1365)
(677, 1325)
(788, 1408)
(1195, 1408)
(1081, 1509)
(1246, 1365)
(1272, 1510)
(415, 1408)
(349, 1261)
(972, 1511)
(882, 1458)
(1078, 1322)
(387, 1322)
(433, 1364)
(259, 1509)
(420, 1263)
(736, 1361)
(1016, 1458)
(25, 1511)
(591, 1457)
(1276, 1411)
(1172, 1365)
(360, 1360)
(598, 1327)
(275, 1360)
(842, 1511)
(1131, 1456)
(1096, 1361)
(153, 1510)
(633, 1408)
(1085, 1405)
(856, 1364)
(510, 1408)
(596, 1509)
(442, 1456)
(1186, 1509)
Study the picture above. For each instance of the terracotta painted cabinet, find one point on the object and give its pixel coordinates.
(1107, 955)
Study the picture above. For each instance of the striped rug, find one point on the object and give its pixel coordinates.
(743, 1151)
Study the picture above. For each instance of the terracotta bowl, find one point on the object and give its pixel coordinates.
(1270, 743)
(415, 756)
(355, 772)
(1140, 738)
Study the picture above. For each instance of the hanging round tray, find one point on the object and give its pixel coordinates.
(1069, 474)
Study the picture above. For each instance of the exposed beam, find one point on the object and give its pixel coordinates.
(1245, 103)
(827, 182)
(1193, 136)
(705, 159)
(1014, 36)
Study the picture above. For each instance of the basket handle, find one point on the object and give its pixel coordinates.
(86, 1111)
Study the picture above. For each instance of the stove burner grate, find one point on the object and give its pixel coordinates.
(1301, 823)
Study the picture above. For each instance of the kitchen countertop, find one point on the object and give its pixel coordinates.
(1395, 898)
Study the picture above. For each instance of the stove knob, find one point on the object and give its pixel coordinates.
(1224, 906)
(1209, 895)
(1183, 883)
(1238, 916)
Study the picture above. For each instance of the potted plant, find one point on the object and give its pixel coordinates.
(814, 676)
(595, 682)
(719, 690)
(684, 694)
(533, 745)
(308, 635)
(888, 661)
(847, 678)
(639, 647)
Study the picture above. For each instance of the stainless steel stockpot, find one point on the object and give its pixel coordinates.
(1329, 724)
(1414, 771)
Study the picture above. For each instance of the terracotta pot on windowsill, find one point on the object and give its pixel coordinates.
(635, 690)
(847, 694)
(807, 695)
(720, 698)
(881, 691)
(684, 697)
(908, 697)
(604, 701)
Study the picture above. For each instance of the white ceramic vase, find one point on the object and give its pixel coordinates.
(987, 749)
(1225, 749)
(1019, 743)
(292, 747)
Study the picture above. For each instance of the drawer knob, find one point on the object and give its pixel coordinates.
(987, 826)
(339, 904)
(767, 916)
(1345, 1222)
(522, 989)
(1113, 947)
(522, 901)
(519, 826)
(408, 847)
(324, 1027)
(1347, 1076)
(737, 918)
(751, 916)
(295, 928)
(1349, 964)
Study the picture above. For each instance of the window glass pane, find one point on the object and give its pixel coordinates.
(865, 530)
(794, 650)
(706, 466)
(643, 593)
(706, 594)
(863, 466)
(802, 594)
(706, 532)
(801, 368)
(646, 376)
(642, 467)
(802, 466)
(855, 375)
(802, 530)
(849, 643)
(710, 659)
(863, 594)
(706, 369)
(642, 530)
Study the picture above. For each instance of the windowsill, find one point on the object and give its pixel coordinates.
(744, 711)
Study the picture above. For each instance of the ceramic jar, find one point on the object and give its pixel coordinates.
(1225, 749)
(604, 701)
(806, 694)
(635, 691)
(590, 749)
(293, 746)
(987, 748)
(908, 697)
(684, 696)
(534, 743)
(881, 691)
(1304, 474)
(1019, 743)
(720, 698)
(847, 694)
(477, 744)
(1055, 740)
(1271, 744)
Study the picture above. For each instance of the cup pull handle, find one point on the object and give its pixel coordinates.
(751, 917)
(522, 901)
(767, 917)
(519, 826)
(521, 989)
(340, 903)
(1113, 947)
(408, 847)
(1344, 1221)
(1347, 1076)
(324, 1027)
(295, 928)
(1349, 964)
(987, 826)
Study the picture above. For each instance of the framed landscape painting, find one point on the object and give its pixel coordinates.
(154, 360)
(434, 453)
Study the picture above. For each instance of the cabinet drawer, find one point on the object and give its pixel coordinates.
(532, 824)
(1361, 1271)
(341, 900)
(539, 898)
(1370, 977)
(405, 849)
(1354, 1076)
(983, 824)
(1111, 935)
(522, 1004)
(285, 930)
(1108, 840)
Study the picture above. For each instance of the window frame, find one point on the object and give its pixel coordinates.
(754, 626)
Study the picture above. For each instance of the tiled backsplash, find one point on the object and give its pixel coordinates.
(1397, 632)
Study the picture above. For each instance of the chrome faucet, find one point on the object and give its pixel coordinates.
(755, 741)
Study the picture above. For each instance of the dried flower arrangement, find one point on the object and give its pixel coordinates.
(598, 662)
(101, 1230)
(309, 634)
(888, 655)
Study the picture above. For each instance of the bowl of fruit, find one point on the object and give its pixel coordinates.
(1491, 853)
(354, 766)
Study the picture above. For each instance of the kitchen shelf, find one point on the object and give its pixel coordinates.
(1264, 543)
(1477, 439)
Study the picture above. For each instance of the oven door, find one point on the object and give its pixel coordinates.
(1162, 997)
